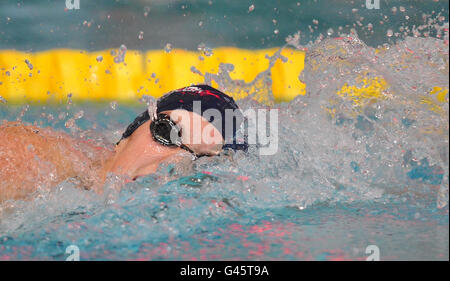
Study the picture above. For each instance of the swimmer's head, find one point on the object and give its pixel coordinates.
(197, 120)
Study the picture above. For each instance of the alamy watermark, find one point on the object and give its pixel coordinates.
(73, 4)
(73, 253)
(374, 253)
(373, 4)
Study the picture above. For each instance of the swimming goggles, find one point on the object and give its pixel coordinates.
(167, 133)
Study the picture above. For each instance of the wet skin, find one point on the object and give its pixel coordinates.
(33, 158)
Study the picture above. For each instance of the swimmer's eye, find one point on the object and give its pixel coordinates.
(165, 131)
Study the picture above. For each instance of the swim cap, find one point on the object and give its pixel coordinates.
(210, 98)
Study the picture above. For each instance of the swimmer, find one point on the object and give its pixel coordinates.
(33, 158)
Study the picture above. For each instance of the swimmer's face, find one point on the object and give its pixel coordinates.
(140, 154)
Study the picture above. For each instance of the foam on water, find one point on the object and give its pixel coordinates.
(367, 143)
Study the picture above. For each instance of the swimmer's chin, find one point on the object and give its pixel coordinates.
(133, 174)
(142, 172)
(130, 169)
(182, 158)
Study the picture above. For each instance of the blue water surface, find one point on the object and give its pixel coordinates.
(199, 217)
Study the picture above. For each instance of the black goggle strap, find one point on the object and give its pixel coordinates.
(190, 150)
(138, 121)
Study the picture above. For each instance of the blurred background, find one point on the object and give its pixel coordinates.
(152, 24)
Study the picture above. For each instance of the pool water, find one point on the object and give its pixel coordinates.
(345, 176)
(362, 163)
(103, 24)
